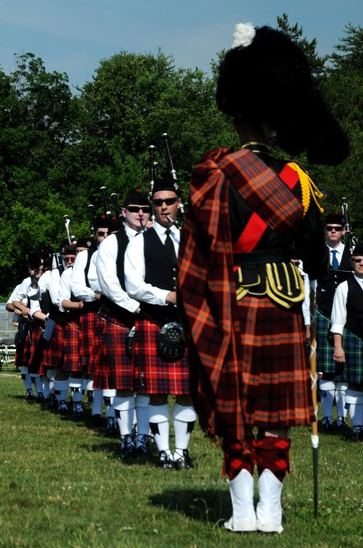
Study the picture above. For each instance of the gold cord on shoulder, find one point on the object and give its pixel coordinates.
(308, 189)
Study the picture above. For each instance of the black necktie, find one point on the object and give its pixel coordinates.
(169, 246)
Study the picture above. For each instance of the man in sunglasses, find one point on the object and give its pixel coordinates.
(114, 368)
(82, 289)
(332, 383)
(150, 275)
(347, 327)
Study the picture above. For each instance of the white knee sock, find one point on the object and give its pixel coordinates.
(327, 398)
(26, 378)
(124, 409)
(76, 388)
(184, 419)
(50, 377)
(340, 391)
(142, 416)
(97, 401)
(60, 390)
(37, 383)
(354, 403)
(45, 386)
(159, 425)
(108, 398)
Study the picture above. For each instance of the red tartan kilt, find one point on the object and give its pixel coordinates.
(152, 374)
(275, 369)
(22, 352)
(112, 367)
(54, 349)
(96, 349)
(72, 360)
(36, 349)
(87, 327)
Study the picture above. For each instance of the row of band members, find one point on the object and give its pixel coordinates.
(86, 309)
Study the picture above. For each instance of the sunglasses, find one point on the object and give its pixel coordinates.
(136, 209)
(102, 233)
(358, 261)
(158, 202)
(69, 259)
(336, 228)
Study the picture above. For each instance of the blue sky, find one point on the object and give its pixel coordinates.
(72, 36)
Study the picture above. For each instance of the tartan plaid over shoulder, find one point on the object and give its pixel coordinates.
(206, 284)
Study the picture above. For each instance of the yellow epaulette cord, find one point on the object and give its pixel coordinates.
(308, 189)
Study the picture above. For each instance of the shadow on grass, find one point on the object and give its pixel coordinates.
(210, 505)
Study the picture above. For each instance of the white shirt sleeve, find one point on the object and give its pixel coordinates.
(22, 293)
(339, 310)
(54, 286)
(78, 281)
(306, 302)
(65, 288)
(109, 283)
(136, 286)
(14, 296)
(92, 274)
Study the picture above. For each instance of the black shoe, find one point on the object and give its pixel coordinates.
(343, 429)
(77, 412)
(112, 427)
(357, 433)
(184, 462)
(326, 426)
(39, 398)
(144, 450)
(62, 407)
(127, 447)
(29, 396)
(97, 420)
(90, 396)
(166, 461)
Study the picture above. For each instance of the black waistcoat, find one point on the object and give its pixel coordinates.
(327, 284)
(159, 272)
(354, 322)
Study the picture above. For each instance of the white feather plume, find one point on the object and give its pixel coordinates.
(243, 35)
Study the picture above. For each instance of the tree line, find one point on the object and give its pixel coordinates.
(57, 147)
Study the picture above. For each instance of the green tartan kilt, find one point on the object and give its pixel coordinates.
(353, 348)
(324, 351)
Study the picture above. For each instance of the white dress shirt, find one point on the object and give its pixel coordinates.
(78, 281)
(14, 296)
(136, 286)
(339, 311)
(49, 281)
(22, 290)
(92, 274)
(106, 267)
(65, 288)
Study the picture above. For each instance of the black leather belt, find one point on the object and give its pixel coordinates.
(262, 257)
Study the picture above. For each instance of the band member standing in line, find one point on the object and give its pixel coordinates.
(240, 296)
(347, 327)
(114, 368)
(333, 383)
(150, 275)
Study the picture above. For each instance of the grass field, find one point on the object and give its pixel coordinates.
(63, 485)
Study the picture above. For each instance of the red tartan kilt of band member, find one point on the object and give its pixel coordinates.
(275, 368)
(22, 352)
(36, 349)
(153, 375)
(94, 363)
(72, 359)
(113, 368)
(87, 327)
(53, 356)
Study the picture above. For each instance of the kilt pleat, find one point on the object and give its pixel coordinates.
(275, 372)
(36, 349)
(87, 327)
(152, 374)
(324, 350)
(72, 361)
(113, 369)
(22, 352)
(353, 348)
(53, 356)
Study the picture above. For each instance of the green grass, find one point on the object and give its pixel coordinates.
(63, 485)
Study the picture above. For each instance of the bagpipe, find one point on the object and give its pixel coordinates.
(153, 165)
(351, 238)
